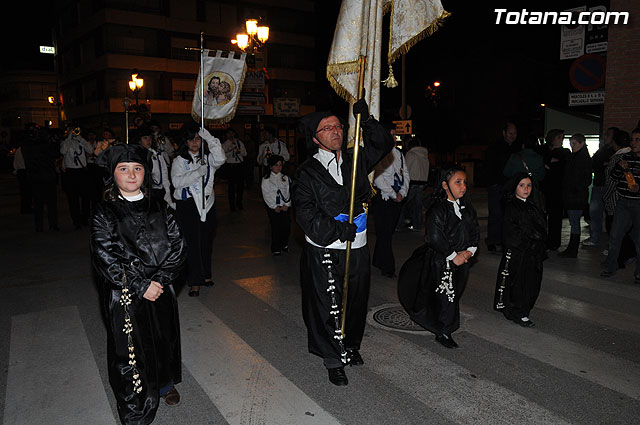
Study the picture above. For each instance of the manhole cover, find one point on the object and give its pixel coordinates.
(393, 317)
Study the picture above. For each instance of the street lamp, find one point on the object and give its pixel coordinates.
(255, 37)
(135, 85)
(126, 102)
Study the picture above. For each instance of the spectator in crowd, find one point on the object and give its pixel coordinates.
(626, 175)
(554, 164)
(621, 143)
(599, 161)
(526, 160)
(418, 165)
(496, 158)
(575, 190)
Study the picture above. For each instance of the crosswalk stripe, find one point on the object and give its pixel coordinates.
(458, 397)
(245, 387)
(53, 378)
(588, 312)
(596, 366)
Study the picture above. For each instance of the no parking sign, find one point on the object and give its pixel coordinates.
(587, 72)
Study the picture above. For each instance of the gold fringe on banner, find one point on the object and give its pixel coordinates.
(437, 23)
(338, 69)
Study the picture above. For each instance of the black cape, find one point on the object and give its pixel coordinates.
(142, 240)
(524, 231)
(422, 273)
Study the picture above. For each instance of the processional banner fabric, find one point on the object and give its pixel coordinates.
(359, 32)
(223, 78)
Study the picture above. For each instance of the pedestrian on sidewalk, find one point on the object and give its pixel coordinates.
(138, 253)
(599, 161)
(524, 234)
(575, 190)
(433, 279)
(626, 174)
(555, 162)
(277, 198)
(418, 165)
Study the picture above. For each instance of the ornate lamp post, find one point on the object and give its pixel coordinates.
(255, 37)
(135, 85)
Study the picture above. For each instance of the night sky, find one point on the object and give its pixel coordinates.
(488, 72)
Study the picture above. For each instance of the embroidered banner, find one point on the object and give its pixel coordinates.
(359, 32)
(223, 78)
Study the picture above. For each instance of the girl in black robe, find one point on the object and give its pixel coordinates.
(523, 237)
(432, 281)
(138, 252)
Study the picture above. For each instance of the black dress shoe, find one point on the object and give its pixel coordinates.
(354, 357)
(446, 340)
(194, 292)
(172, 398)
(209, 283)
(337, 376)
(525, 322)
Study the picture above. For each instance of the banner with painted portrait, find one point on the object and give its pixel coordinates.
(223, 78)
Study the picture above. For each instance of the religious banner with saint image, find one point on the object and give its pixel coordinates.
(223, 78)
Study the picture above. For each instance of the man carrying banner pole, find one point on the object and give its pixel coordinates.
(329, 185)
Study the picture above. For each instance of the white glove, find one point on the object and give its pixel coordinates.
(204, 133)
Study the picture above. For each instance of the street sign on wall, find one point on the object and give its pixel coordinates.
(286, 107)
(586, 98)
(403, 126)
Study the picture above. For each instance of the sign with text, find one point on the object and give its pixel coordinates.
(403, 127)
(48, 49)
(572, 36)
(587, 98)
(286, 107)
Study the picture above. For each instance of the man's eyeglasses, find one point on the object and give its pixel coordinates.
(330, 128)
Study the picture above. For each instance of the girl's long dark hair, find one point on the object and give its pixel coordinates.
(439, 193)
(188, 132)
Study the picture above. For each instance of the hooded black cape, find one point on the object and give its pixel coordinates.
(142, 240)
(422, 273)
(524, 230)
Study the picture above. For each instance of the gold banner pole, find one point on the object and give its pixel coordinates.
(354, 172)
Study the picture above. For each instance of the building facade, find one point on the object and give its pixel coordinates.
(100, 43)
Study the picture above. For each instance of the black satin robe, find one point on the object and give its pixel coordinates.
(524, 235)
(142, 239)
(422, 273)
(317, 199)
